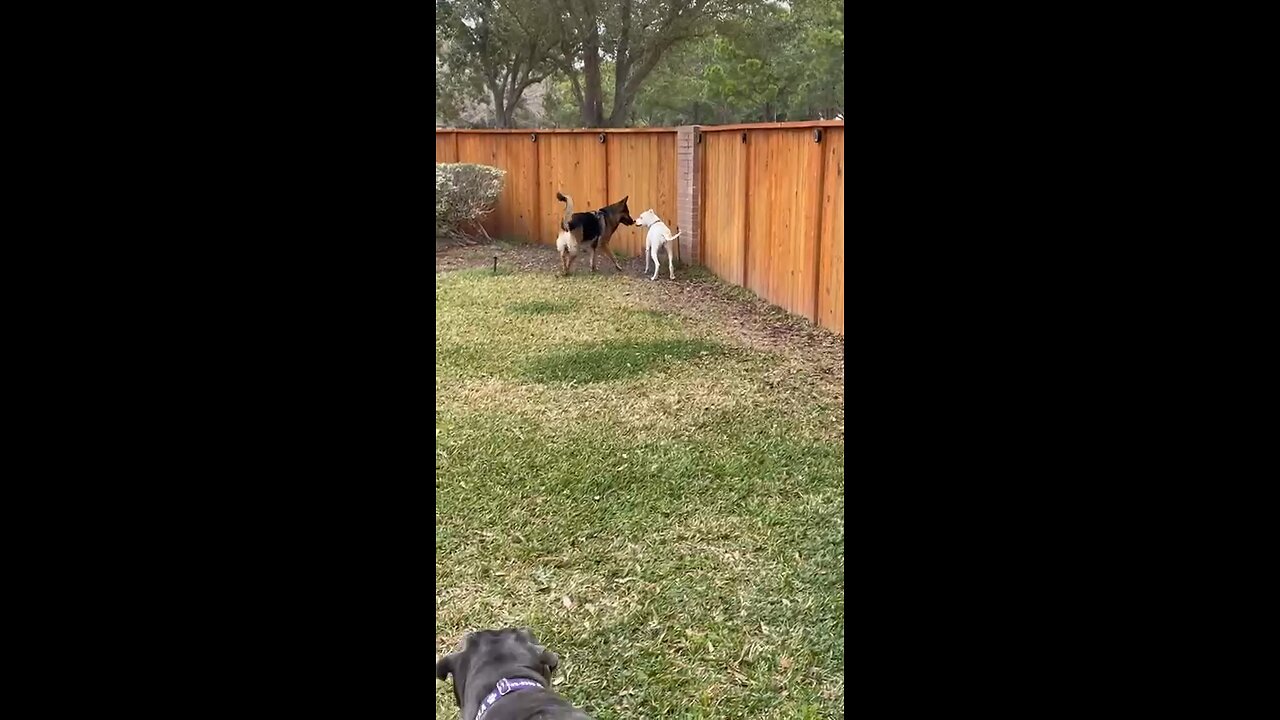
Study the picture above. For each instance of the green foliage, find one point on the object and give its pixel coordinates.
(768, 63)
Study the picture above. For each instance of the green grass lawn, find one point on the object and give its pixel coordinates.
(662, 506)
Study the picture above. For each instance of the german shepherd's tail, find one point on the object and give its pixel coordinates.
(568, 209)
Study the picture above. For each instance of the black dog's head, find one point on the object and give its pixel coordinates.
(496, 653)
(621, 211)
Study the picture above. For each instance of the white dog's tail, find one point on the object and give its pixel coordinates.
(673, 237)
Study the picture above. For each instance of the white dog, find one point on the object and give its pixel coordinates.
(659, 236)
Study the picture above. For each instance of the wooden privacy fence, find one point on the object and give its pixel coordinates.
(639, 163)
(761, 205)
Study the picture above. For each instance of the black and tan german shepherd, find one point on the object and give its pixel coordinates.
(592, 228)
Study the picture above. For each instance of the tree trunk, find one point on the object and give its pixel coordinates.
(621, 106)
(628, 86)
(622, 70)
(592, 91)
(630, 70)
(500, 113)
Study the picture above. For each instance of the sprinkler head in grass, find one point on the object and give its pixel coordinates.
(495, 264)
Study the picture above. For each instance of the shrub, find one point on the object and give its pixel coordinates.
(465, 193)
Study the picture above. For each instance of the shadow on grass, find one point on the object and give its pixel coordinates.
(614, 360)
(453, 356)
(544, 307)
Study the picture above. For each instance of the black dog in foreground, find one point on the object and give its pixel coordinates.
(594, 228)
(504, 675)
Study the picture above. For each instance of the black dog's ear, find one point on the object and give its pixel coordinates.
(551, 660)
(624, 199)
(443, 667)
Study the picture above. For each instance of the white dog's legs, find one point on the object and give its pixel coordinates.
(646, 262)
(671, 263)
(656, 264)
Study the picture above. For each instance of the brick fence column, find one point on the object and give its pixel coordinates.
(689, 193)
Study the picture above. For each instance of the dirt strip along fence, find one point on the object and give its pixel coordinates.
(767, 199)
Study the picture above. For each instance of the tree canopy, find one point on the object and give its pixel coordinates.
(616, 63)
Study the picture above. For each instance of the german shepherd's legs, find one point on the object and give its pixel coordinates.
(605, 251)
(604, 247)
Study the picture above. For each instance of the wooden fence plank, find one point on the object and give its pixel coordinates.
(572, 164)
(724, 222)
(782, 220)
(446, 147)
(831, 265)
(642, 168)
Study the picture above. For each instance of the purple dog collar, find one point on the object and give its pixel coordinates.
(505, 687)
